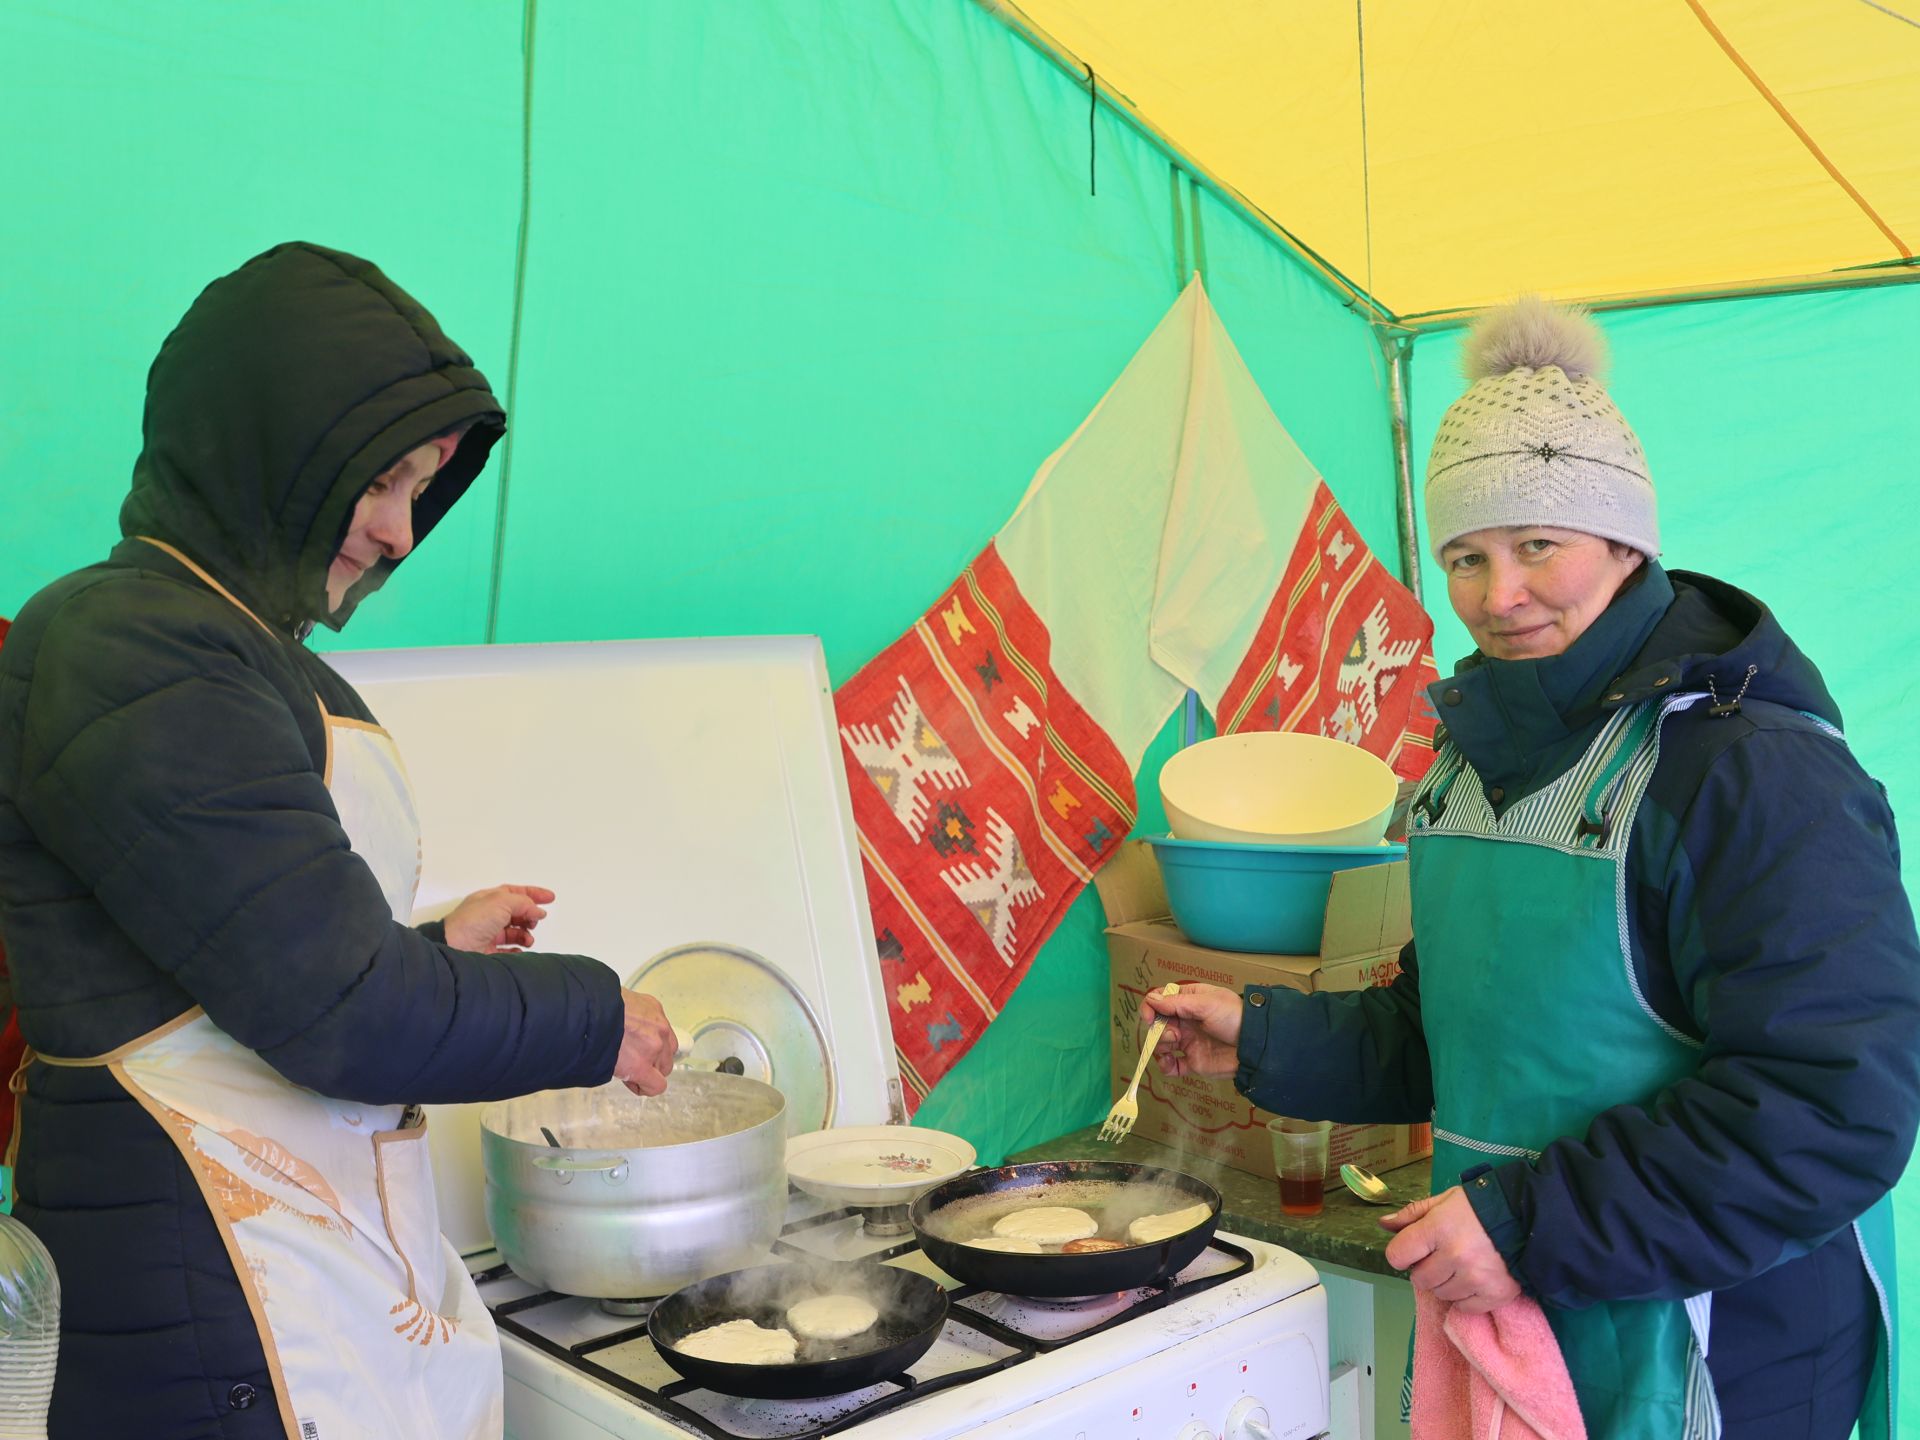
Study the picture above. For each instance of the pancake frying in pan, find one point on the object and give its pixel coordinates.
(912, 1309)
(1115, 1193)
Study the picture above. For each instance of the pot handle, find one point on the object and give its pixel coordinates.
(564, 1167)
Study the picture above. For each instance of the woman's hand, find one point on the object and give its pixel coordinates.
(1443, 1247)
(646, 1048)
(498, 919)
(1203, 1029)
(503, 918)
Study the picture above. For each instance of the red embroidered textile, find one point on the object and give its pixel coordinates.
(1344, 650)
(985, 798)
(1178, 540)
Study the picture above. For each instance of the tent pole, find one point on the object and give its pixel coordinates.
(1434, 321)
(496, 574)
(1397, 346)
(1349, 294)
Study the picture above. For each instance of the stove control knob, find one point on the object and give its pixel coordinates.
(1248, 1420)
(1196, 1431)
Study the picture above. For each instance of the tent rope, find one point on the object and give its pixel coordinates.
(1199, 234)
(1093, 109)
(1180, 272)
(1903, 19)
(528, 25)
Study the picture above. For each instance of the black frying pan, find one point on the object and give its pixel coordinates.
(912, 1310)
(1112, 1191)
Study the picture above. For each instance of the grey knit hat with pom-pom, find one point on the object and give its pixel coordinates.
(1535, 440)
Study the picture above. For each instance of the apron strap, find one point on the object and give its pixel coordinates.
(1430, 801)
(17, 1087)
(1701, 1416)
(1591, 829)
(1832, 730)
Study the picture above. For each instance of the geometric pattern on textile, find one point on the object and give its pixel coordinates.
(905, 761)
(993, 892)
(984, 798)
(1344, 650)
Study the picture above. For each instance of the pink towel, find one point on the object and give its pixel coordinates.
(1497, 1376)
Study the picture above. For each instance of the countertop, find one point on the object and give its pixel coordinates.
(1347, 1232)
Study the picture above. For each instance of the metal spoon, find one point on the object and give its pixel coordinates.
(1368, 1187)
(550, 1137)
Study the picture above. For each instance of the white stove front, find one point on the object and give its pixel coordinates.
(1243, 1359)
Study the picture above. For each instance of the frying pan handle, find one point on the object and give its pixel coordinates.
(564, 1167)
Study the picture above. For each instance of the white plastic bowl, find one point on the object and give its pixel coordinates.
(1278, 788)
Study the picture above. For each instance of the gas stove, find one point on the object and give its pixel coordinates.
(1234, 1346)
(731, 752)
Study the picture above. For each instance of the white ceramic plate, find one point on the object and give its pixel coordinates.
(875, 1164)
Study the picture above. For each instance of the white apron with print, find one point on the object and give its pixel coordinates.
(373, 1329)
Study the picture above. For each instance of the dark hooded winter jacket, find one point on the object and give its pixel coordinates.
(1767, 920)
(167, 841)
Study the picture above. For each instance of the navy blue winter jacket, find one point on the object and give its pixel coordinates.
(167, 841)
(1767, 919)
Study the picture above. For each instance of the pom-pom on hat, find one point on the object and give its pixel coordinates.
(1536, 440)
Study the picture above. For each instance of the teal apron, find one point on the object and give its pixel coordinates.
(1535, 1023)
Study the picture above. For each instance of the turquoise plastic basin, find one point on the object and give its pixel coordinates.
(1263, 898)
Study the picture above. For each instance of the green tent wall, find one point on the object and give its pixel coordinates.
(790, 299)
(803, 296)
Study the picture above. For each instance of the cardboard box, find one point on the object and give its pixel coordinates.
(1368, 921)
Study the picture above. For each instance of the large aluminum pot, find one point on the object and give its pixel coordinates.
(641, 1196)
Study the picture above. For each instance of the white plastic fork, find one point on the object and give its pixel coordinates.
(1126, 1109)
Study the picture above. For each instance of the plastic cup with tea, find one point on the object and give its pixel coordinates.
(1300, 1163)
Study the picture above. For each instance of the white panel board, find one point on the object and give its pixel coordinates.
(671, 792)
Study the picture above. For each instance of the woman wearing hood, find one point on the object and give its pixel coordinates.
(1662, 1002)
(208, 856)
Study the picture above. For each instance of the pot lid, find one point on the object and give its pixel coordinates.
(734, 1004)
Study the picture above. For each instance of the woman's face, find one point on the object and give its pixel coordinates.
(1528, 591)
(382, 522)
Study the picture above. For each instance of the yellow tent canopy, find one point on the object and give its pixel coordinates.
(1438, 157)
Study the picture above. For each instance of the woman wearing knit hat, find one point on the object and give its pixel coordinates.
(1663, 999)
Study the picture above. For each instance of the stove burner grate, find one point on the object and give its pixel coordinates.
(968, 1305)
